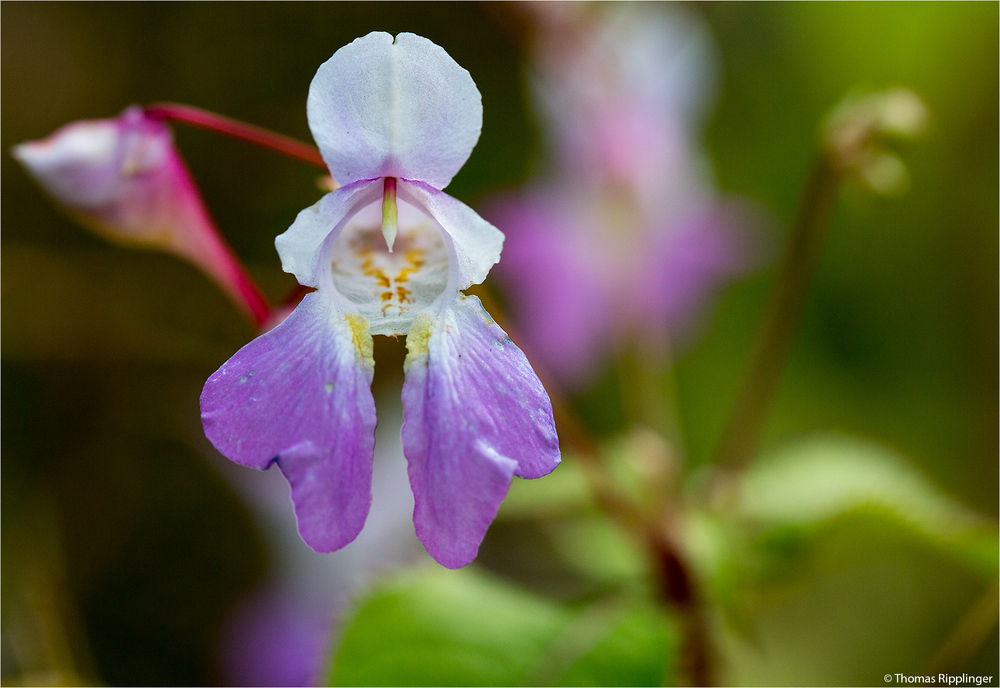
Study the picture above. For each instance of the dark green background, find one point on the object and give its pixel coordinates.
(114, 523)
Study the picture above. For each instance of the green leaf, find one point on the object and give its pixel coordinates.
(446, 628)
(601, 550)
(563, 492)
(440, 627)
(631, 654)
(816, 481)
(794, 505)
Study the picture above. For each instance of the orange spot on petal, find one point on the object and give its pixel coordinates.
(415, 257)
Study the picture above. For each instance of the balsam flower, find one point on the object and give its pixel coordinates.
(388, 253)
(625, 240)
(124, 179)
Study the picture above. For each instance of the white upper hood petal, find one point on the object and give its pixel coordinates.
(384, 107)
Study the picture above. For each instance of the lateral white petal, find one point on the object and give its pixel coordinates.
(475, 242)
(310, 238)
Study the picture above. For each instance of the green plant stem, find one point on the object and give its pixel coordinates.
(969, 634)
(646, 381)
(742, 435)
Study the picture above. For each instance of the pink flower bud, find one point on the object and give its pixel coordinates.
(124, 179)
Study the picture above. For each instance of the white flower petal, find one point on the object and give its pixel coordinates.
(301, 245)
(390, 289)
(475, 242)
(384, 107)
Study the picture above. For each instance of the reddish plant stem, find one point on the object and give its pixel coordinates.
(247, 293)
(675, 581)
(679, 592)
(265, 138)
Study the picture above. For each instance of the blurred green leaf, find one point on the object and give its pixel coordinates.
(446, 628)
(600, 549)
(563, 492)
(632, 654)
(440, 627)
(813, 482)
(797, 506)
(861, 587)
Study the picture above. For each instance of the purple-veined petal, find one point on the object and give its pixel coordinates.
(475, 243)
(300, 395)
(385, 107)
(475, 415)
(124, 179)
(301, 246)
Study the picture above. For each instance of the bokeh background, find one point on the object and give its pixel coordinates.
(128, 544)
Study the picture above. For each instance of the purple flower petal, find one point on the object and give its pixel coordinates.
(276, 638)
(475, 415)
(300, 396)
(690, 262)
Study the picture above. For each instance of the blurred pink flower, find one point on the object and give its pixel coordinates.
(623, 238)
(124, 179)
(275, 639)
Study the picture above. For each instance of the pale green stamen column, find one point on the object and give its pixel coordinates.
(390, 213)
